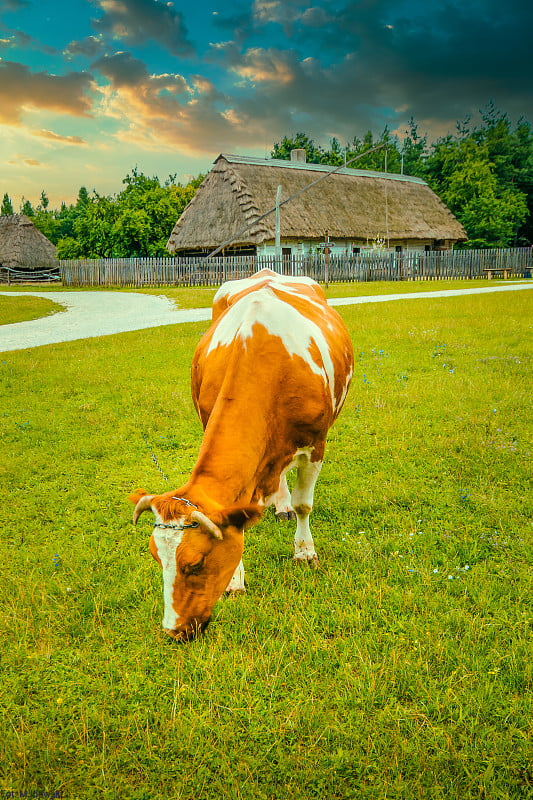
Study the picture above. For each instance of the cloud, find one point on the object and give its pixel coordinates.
(135, 22)
(89, 47)
(56, 137)
(21, 89)
(288, 13)
(29, 162)
(166, 110)
(14, 38)
(122, 69)
(270, 66)
(377, 62)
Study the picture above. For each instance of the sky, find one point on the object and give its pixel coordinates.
(91, 89)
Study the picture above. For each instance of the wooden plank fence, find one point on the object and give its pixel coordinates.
(199, 271)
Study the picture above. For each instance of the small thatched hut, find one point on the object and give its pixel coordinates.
(360, 209)
(22, 246)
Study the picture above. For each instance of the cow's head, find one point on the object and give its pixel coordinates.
(197, 554)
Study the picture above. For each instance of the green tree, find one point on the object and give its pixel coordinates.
(301, 141)
(462, 174)
(7, 207)
(26, 208)
(414, 151)
(136, 222)
(46, 220)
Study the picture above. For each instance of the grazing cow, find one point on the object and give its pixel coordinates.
(268, 379)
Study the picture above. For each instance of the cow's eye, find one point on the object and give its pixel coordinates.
(193, 569)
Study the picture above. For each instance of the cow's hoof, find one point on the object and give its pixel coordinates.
(312, 562)
(283, 516)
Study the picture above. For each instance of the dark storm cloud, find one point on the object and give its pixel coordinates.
(377, 62)
(135, 22)
(20, 88)
(428, 59)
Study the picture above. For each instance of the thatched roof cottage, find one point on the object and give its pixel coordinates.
(359, 209)
(22, 246)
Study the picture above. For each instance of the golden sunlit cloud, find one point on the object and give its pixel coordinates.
(21, 90)
(29, 162)
(260, 65)
(56, 137)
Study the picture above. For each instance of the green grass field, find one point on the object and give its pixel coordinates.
(402, 668)
(20, 309)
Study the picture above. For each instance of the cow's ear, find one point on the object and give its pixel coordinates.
(142, 501)
(240, 517)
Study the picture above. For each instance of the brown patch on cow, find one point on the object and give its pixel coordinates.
(303, 509)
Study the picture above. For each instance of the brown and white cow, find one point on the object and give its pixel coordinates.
(268, 380)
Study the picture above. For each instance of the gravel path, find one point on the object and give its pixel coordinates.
(91, 314)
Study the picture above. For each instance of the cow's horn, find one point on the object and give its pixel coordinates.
(197, 516)
(144, 504)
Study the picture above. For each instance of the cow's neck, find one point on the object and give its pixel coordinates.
(230, 457)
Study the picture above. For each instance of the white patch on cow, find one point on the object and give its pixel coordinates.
(231, 288)
(281, 319)
(272, 498)
(236, 584)
(166, 542)
(282, 498)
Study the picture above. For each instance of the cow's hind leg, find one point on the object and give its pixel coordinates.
(282, 501)
(302, 501)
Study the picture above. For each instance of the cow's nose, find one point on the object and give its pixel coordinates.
(189, 631)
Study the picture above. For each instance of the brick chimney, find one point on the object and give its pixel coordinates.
(298, 155)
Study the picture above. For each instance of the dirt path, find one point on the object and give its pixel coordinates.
(92, 314)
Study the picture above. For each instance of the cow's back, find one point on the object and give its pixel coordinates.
(273, 333)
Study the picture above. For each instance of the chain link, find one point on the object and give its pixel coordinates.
(154, 459)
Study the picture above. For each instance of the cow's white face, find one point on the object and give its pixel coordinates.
(197, 560)
(196, 570)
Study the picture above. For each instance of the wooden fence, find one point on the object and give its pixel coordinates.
(465, 264)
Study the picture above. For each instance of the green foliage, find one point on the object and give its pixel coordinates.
(136, 222)
(26, 208)
(484, 174)
(314, 154)
(7, 207)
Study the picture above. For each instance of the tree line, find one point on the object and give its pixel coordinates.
(135, 222)
(483, 172)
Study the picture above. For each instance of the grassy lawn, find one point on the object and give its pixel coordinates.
(21, 309)
(402, 668)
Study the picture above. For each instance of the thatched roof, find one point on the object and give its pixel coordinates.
(349, 204)
(22, 245)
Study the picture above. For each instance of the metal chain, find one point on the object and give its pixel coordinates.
(154, 459)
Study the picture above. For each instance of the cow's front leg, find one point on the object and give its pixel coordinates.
(282, 501)
(237, 583)
(302, 501)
